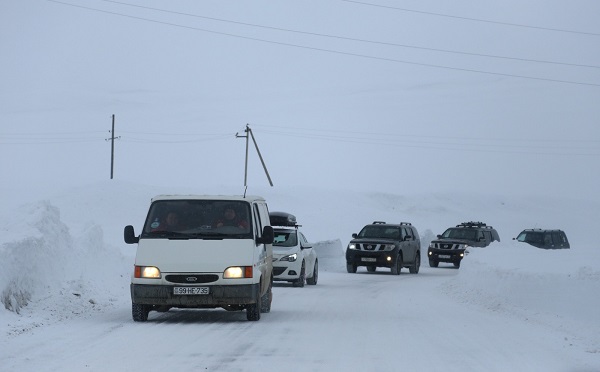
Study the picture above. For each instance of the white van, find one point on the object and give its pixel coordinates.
(203, 252)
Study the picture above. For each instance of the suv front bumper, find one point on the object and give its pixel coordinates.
(446, 255)
(379, 259)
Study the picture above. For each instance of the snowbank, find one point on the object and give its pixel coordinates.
(46, 271)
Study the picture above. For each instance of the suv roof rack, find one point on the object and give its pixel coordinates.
(406, 223)
(378, 223)
(473, 224)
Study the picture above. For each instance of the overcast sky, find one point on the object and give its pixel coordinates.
(382, 95)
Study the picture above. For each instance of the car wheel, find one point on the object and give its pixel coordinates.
(351, 268)
(140, 312)
(371, 269)
(414, 268)
(315, 276)
(398, 266)
(267, 298)
(433, 263)
(253, 310)
(302, 278)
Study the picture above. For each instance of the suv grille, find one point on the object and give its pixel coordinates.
(371, 247)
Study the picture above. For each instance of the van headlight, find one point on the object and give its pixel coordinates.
(290, 258)
(146, 272)
(237, 272)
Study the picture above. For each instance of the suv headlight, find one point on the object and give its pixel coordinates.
(290, 258)
(352, 246)
(389, 247)
(431, 245)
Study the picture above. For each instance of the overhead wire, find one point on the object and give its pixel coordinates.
(430, 65)
(355, 39)
(473, 19)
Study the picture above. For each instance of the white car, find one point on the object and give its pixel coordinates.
(294, 258)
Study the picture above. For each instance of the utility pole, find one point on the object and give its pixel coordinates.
(112, 146)
(247, 136)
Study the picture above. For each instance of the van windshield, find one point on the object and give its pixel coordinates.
(198, 219)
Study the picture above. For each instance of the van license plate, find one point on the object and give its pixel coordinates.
(444, 256)
(190, 290)
(368, 259)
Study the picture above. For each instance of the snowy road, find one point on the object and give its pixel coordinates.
(348, 322)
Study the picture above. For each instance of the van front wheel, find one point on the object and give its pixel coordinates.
(253, 310)
(140, 312)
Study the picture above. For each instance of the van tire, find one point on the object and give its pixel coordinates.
(140, 312)
(253, 310)
(267, 298)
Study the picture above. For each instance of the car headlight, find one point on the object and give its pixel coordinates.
(146, 272)
(237, 272)
(389, 247)
(431, 245)
(352, 246)
(290, 258)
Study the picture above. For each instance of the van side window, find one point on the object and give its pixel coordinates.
(258, 225)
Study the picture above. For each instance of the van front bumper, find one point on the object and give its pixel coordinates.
(218, 295)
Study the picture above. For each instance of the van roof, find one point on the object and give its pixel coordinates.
(247, 198)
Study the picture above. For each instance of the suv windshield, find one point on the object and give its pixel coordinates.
(385, 232)
(460, 233)
(198, 218)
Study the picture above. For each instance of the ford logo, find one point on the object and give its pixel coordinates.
(191, 279)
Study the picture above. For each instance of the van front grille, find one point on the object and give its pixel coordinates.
(192, 278)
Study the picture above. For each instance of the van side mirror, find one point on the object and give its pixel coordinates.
(267, 236)
(129, 235)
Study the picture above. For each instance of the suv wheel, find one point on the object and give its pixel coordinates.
(414, 268)
(433, 263)
(302, 278)
(351, 268)
(140, 312)
(398, 266)
(371, 269)
(457, 264)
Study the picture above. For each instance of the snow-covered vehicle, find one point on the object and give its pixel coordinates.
(453, 244)
(294, 258)
(198, 251)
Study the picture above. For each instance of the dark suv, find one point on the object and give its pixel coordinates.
(385, 245)
(451, 245)
(546, 239)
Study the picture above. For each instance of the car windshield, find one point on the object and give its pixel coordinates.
(198, 219)
(384, 232)
(285, 238)
(460, 233)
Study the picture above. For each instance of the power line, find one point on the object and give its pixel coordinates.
(357, 39)
(336, 51)
(473, 19)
